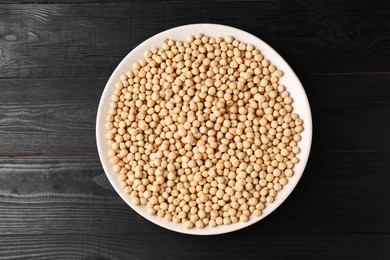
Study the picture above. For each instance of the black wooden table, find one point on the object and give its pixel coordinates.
(55, 201)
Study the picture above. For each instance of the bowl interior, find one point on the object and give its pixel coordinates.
(290, 80)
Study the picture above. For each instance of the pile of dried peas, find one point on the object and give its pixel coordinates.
(202, 133)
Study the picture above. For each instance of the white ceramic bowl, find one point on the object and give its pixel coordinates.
(290, 80)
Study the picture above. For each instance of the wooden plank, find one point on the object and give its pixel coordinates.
(54, 116)
(48, 115)
(348, 111)
(67, 40)
(178, 246)
(338, 193)
(85, 1)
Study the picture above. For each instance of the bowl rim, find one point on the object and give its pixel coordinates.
(241, 35)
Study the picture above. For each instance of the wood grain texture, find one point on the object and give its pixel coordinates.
(48, 115)
(6, 2)
(348, 112)
(57, 116)
(69, 40)
(62, 195)
(176, 246)
(55, 200)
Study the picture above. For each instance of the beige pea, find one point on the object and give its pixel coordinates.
(244, 218)
(188, 224)
(257, 213)
(278, 73)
